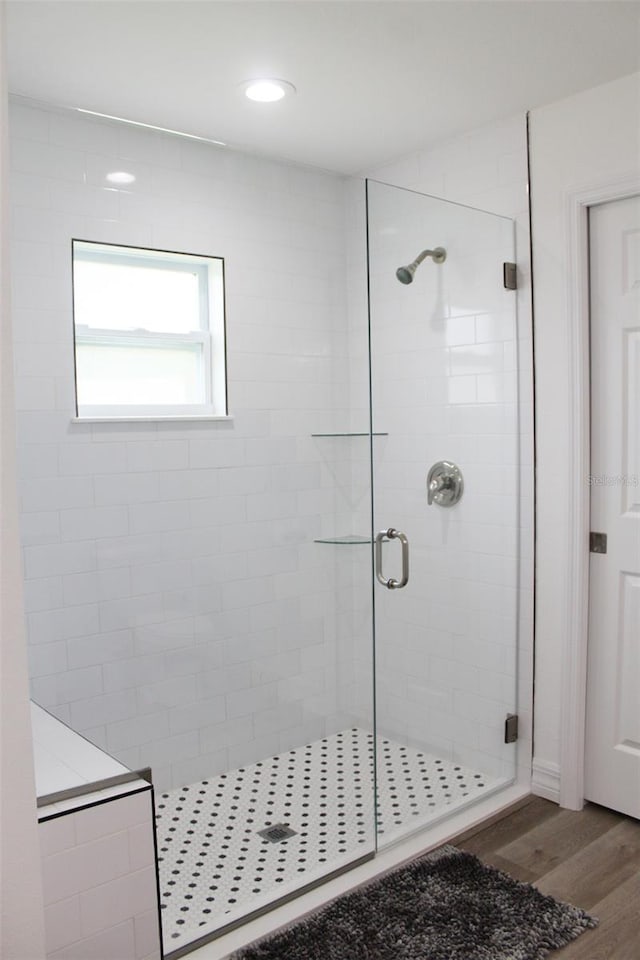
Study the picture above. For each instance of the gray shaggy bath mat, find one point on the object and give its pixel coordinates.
(444, 906)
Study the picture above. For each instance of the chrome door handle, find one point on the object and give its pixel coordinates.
(392, 534)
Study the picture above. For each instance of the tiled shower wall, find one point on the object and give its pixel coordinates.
(179, 613)
(358, 646)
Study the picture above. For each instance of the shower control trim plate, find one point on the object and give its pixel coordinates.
(445, 484)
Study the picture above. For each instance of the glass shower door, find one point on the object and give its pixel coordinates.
(443, 339)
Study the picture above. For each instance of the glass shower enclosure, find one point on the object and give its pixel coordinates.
(408, 602)
(444, 427)
(389, 655)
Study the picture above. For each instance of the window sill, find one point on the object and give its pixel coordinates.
(160, 418)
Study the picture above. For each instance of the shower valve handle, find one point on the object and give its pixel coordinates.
(445, 484)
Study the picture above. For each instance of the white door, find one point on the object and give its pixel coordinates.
(612, 757)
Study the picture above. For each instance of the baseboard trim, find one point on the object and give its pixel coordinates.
(545, 780)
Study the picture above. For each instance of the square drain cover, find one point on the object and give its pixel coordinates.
(279, 831)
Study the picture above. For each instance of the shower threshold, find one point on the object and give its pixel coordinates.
(235, 844)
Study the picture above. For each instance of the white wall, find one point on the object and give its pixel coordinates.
(588, 140)
(179, 613)
(21, 913)
(487, 169)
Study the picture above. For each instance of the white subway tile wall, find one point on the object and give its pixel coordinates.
(99, 880)
(178, 609)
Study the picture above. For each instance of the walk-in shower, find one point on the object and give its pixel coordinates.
(443, 639)
(202, 593)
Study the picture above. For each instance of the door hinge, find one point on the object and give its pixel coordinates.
(511, 728)
(509, 276)
(597, 542)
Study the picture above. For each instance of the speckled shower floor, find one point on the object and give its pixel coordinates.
(214, 865)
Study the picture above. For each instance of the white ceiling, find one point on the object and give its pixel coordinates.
(375, 80)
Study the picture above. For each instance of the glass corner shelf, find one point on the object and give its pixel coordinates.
(344, 434)
(350, 540)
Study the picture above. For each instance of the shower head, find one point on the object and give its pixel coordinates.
(405, 274)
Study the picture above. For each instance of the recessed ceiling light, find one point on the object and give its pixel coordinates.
(267, 90)
(120, 176)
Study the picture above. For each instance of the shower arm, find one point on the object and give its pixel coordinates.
(438, 255)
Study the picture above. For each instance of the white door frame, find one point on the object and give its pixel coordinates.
(576, 612)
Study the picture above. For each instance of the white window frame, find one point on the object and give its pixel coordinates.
(210, 338)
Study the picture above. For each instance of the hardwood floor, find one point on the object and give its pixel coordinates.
(590, 858)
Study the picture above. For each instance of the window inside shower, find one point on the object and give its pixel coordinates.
(149, 332)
